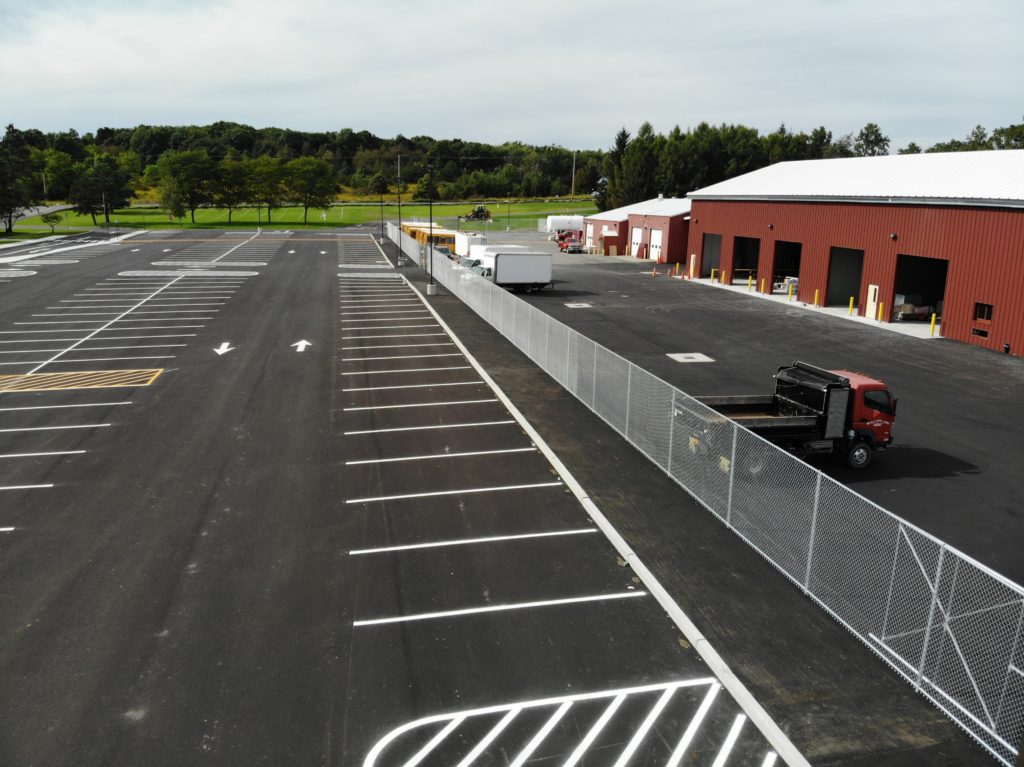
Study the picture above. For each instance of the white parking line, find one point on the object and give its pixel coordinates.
(112, 322)
(691, 730)
(111, 314)
(378, 314)
(465, 491)
(42, 454)
(386, 319)
(25, 487)
(405, 370)
(436, 456)
(390, 327)
(730, 741)
(392, 335)
(63, 407)
(94, 349)
(54, 428)
(499, 608)
(71, 330)
(415, 386)
(415, 428)
(90, 359)
(392, 346)
(473, 541)
(402, 407)
(595, 730)
(105, 338)
(399, 357)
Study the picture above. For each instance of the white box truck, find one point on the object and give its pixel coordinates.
(517, 270)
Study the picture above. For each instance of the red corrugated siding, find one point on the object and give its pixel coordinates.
(673, 235)
(984, 248)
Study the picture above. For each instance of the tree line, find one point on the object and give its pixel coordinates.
(232, 165)
(640, 167)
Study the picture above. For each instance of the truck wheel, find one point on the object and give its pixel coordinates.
(859, 455)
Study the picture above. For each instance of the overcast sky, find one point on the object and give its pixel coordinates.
(566, 72)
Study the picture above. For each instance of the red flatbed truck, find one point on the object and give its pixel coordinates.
(817, 411)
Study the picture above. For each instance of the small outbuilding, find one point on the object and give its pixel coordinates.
(897, 238)
(654, 230)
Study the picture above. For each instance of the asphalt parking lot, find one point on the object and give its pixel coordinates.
(954, 468)
(837, 701)
(258, 506)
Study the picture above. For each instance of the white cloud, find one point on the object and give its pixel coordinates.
(569, 72)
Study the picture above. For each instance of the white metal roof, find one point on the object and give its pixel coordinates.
(659, 206)
(992, 178)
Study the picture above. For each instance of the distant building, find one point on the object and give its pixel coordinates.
(902, 237)
(655, 230)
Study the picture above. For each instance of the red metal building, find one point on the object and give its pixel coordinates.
(903, 237)
(656, 230)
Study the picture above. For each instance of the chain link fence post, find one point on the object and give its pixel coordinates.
(814, 528)
(732, 477)
(931, 618)
(671, 432)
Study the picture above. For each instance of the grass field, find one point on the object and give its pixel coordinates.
(34, 234)
(514, 215)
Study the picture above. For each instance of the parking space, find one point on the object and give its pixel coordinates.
(68, 370)
(485, 591)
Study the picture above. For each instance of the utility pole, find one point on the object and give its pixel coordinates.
(572, 193)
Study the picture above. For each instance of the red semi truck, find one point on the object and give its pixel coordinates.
(817, 411)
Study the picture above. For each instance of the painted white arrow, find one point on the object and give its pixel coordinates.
(224, 348)
(301, 345)
(291, 251)
(323, 252)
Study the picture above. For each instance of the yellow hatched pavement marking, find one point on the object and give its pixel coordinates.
(85, 379)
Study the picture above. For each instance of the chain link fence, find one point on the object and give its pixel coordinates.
(949, 625)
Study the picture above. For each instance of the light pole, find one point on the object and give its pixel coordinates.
(431, 287)
(382, 214)
(508, 220)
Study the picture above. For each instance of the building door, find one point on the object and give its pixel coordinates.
(656, 245)
(871, 305)
(711, 254)
(636, 242)
(589, 242)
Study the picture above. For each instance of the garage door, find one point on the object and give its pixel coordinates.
(636, 240)
(656, 245)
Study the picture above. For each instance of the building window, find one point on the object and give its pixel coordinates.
(982, 312)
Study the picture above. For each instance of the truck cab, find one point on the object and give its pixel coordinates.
(871, 410)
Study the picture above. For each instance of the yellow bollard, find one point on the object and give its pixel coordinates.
(881, 311)
(815, 298)
(789, 292)
(750, 283)
(933, 324)
(713, 273)
(762, 284)
(851, 306)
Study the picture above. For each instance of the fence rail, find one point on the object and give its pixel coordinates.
(947, 624)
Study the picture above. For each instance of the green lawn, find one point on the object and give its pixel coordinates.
(517, 215)
(34, 234)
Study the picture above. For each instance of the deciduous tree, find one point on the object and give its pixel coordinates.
(18, 188)
(311, 183)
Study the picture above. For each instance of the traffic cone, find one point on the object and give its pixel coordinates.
(654, 272)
